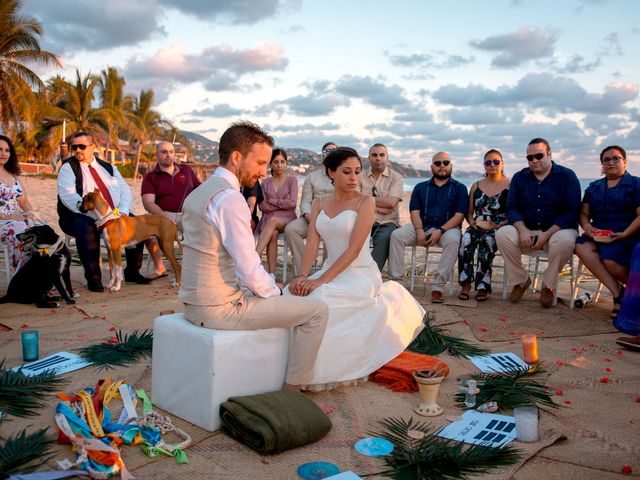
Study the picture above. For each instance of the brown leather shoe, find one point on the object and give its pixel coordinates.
(546, 297)
(436, 297)
(632, 343)
(518, 291)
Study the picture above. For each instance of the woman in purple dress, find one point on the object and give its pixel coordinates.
(278, 207)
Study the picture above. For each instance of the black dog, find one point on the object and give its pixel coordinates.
(47, 267)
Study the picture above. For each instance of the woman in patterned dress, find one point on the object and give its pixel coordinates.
(16, 212)
(278, 207)
(487, 213)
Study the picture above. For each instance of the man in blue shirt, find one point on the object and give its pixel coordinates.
(543, 208)
(437, 208)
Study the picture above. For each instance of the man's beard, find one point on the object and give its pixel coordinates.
(442, 176)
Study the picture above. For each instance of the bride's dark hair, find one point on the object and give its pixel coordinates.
(337, 157)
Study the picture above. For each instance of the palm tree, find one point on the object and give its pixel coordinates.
(114, 105)
(19, 46)
(147, 124)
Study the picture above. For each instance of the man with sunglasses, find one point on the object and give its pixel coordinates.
(79, 175)
(386, 186)
(316, 184)
(543, 207)
(164, 190)
(437, 209)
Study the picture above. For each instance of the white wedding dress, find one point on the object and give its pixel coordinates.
(370, 322)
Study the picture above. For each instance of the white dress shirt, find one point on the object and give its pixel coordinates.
(117, 186)
(229, 213)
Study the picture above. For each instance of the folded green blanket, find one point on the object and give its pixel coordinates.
(274, 422)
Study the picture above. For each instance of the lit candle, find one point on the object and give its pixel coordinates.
(526, 423)
(64, 131)
(530, 348)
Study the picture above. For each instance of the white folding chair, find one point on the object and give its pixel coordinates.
(284, 251)
(5, 266)
(575, 291)
(426, 263)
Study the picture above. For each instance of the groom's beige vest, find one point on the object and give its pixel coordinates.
(208, 271)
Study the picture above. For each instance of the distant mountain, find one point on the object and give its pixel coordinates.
(196, 137)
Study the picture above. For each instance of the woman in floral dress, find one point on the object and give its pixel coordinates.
(487, 213)
(16, 212)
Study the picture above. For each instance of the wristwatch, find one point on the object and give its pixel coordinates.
(442, 230)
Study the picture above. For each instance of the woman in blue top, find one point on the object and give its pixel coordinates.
(611, 203)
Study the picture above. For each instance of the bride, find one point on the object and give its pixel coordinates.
(370, 323)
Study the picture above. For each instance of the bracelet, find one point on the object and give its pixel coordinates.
(301, 276)
(442, 230)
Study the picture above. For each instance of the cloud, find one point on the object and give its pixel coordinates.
(292, 29)
(72, 25)
(517, 48)
(542, 90)
(611, 45)
(219, 67)
(220, 110)
(437, 60)
(305, 127)
(483, 116)
(577, 64)
(315, 105)
(372, 91)
(238, 12)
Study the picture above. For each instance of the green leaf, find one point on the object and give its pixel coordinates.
(127, 349)
(435, 458)
(23, 453)
(22, 395)
(510, 390)
(433, 340)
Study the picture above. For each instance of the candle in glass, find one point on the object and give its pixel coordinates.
(530, 348)
(526, 419)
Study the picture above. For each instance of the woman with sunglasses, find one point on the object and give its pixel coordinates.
(487, 212)
(16, 212)
(610, 219)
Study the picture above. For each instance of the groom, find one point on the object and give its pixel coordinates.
(224, 285)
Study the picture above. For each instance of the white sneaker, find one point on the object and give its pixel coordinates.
(273, 276)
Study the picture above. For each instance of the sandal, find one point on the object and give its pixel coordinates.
(482, 296)
(463, 296)
(464, 293)
(617, 302)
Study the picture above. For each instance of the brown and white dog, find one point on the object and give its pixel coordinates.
(120, 231)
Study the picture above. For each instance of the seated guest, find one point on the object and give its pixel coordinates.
(487, 213)
(543, 206)
(386, 187)
(628, 320)
(79, 175)
(253, 196)
(437, 208)
(163, 192)
(611, 203)
(316, 184)
(278, 207)
(16, 212)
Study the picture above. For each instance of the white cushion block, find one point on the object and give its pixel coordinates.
(195, 369)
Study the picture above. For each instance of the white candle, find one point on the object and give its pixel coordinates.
(64, 131)
(526, 423)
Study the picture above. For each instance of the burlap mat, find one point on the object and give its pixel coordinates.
(506, 321)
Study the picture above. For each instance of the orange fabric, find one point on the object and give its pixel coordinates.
(397, 375)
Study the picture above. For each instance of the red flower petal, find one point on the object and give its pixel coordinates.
(512, 332)
(559, 391)
(483, 329)
(566, 402)
(608, 360)
(85, 318)
(112, 329)
(559, 363)
(618, 352)
(604, 380)
(608, 369)
(24, 325)
(638, 399)
(626, 469)
(465, 322)
(541, 332)
(53, 311)
(502, 318)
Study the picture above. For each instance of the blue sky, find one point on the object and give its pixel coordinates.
(419, 76)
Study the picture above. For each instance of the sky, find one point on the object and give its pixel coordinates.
(419, 76)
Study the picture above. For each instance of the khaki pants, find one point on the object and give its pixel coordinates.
(295, 232)
(406, 236)
(559, 248)
(307, 316)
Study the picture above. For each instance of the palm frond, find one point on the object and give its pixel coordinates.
(510, 390)
(435, 458)
(433, 340)
(22, 395)
(23, 453)
(124, 349)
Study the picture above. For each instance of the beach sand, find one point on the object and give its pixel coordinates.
(592, 435)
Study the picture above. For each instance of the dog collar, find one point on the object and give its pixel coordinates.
(108, 218)
(50, 250)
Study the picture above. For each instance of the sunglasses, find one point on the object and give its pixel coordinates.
(446, 163)
(495, 161)
(327, 151)
(80, 146)
(537, 156)
(613, 160)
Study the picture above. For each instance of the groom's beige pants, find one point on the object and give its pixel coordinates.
(307, 316)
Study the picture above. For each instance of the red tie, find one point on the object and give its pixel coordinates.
(103, 188)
